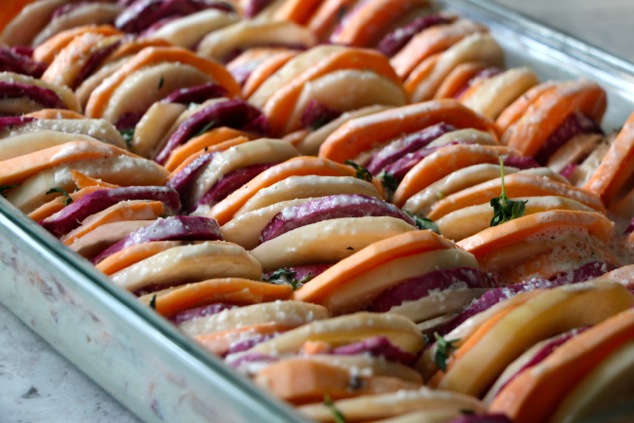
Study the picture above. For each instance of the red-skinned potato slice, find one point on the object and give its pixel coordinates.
(225, 210)
(99, 99)
(524, 399)
(517, 249)
(58, 203)
(236, 291)
(550, 110)
(362, 134)
(377, 254)
(424, 80)
(442, 163)
(516, 185)
(612, 179)
(431, 41)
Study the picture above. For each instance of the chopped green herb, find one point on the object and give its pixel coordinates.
(5, 188)
(362, 172)
(350, 248)
(127, 135)
(423, 222)
(467, 411)
(444, 349)
(318, 123)
(62, 191)
(206, 128)
(161, 83)
(153, 302)
(390, 183)
(505, 209)
(337, 415)
(285, 276)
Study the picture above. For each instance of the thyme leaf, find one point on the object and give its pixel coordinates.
(505, 209)
(67, 199)
(337, 415)
(444, 349)
(362, 172)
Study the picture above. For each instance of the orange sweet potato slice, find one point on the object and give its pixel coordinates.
(536, 392)
(305, 165)
(610, 179)
(550, 110)
(515, 110)
(133, 254)
(362, 134)
(47, 51)
(99, 98)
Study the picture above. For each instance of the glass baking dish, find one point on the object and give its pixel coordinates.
(141, 359)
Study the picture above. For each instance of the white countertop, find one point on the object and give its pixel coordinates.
(37, 385)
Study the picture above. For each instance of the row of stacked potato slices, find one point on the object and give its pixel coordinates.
(351, 202)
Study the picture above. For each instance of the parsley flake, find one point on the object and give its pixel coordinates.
(444, 349)
(127, 135)
(286, 276)
(337, 415)
(362, 172)
(206, 128)
(423, 222)
(62, 191)
(161, 83)
(505, 209)
(390, 183)
(153, 302)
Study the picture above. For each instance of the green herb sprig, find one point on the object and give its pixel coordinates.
(127, 135)
(362, 172)
(444, 349)
(423, 222)
(5, 188)
(390, 183)
(285, 276)
(337, 415)
(505, 209)
(67, 199)
(206, 128)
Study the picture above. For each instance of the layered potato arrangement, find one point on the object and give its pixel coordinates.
(354, 203)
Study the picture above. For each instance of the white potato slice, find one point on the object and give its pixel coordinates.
(190, 263)
(327, 241)
(187, 31)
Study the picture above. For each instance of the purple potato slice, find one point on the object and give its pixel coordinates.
(573, 125)
(201, 311)
(394, 41)
(378, 346)
(7, 122)
(12, 61)
(72, 215)
(422, 286)
(181, 228)
(317, 115)
(45, 97)
(400, 168)
(409, 143)
(236, 114)
(229, 183)
(197, 94)
(331, 207)
(142, 14)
